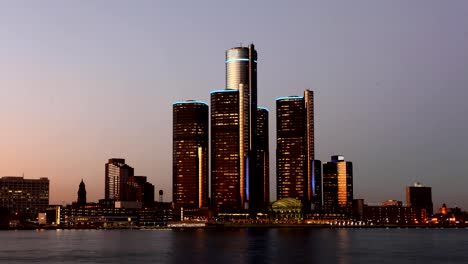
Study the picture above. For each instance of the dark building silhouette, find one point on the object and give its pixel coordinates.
(20, 195)
(420, 197)
(190, 154)
(316, 188)
(295, 151)
(261, 185)
(140, 190)
(228, 184)
(81, 194)
(338, 185)
(116, 179)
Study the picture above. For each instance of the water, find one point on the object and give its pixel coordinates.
(260, 245)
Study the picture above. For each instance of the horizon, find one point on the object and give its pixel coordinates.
(389, 81)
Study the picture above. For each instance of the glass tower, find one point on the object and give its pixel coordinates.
(228, 184)
(190, 154)
(241, 75)
(295, 153)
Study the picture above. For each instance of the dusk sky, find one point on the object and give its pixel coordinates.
(85, 81)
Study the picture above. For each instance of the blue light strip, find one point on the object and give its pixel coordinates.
(289, 97)
(263, 108)
(224, 91)
(190, 102)
(239, 59)
(247, 176)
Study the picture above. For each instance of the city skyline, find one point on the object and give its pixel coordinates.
(393, 104)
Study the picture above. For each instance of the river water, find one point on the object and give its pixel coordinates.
(249, 245)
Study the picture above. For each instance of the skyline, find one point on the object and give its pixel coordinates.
(78, 92)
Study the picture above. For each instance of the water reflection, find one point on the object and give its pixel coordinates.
(260, 245)
(342, 246)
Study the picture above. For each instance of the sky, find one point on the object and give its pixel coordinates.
(85, 81)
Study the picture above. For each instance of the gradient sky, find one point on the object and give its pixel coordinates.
(84, 81)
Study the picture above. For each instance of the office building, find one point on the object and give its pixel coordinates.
(295, 153)
(338, 185)
(116, 179)
(262, 184)
(420, 197)
(190, 154)
(20, 195)
(389, 214)
(228, 184)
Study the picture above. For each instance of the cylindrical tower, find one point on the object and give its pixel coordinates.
(228, 188)
(241, 74)
(190, 154)
(291, 148)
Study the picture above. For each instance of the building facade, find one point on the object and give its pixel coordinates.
(20, 195)
(338, 185)
(295, 152)
(116, 179)
(228, 184)
(420, 197)
(190, 154)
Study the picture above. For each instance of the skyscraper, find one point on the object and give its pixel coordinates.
(228, 184)
(295, 151)
(262, 185)
(241, 75)
(338, 185)
(116, 178)
(190, 154)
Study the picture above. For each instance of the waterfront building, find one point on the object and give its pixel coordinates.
(81, 194)
(26, 196)
(116, 179)
(228, 184)
(106, 215)
(419, 196)
(297, 173)
(286, 209)
(338, 185)
(190, 154)
(390, 214)
(263, 159)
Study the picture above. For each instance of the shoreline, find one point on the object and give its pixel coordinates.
(243, 226)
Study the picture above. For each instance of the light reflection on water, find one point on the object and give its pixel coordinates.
(258, 245)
